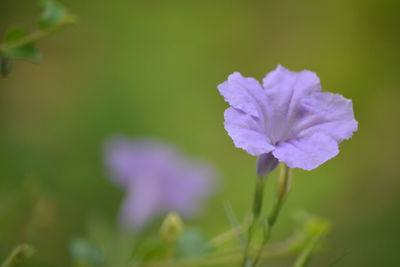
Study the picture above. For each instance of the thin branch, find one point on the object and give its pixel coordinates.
(37, 35)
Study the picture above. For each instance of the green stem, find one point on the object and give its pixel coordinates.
(37, 35)
(230, 257)
(284, 183)
(258, 197)
(257, 207)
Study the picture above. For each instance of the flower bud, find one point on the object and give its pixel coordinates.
(171, 227)
(266, 163)
(284, 182)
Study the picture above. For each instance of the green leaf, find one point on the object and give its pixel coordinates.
(85, 253)
(52, 15)
(193, 244)
(14, 34)
(27, 51)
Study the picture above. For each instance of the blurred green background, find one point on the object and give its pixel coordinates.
(144, 68)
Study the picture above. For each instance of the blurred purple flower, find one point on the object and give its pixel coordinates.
(288, 118)
(157, 178)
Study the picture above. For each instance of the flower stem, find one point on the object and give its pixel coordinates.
(300, 241)
(258, 197)
(256, 211)
(284, 183)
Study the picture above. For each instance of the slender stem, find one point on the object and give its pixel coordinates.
(256, 209)
(232, 256)
(258, 197)
(229, 258)
(284, 182)
(37, 35)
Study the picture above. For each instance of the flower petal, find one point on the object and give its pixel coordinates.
(142, 202)
(186, 190)
(246, 132)
(327, 113)
(284, 79)
(307, 153)
(128, 159)
(284, 90)
(242, 93)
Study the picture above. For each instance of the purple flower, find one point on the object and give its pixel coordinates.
(157, 178)
(288, 118)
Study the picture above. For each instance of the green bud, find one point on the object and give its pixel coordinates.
(284, 181)
(171, 227)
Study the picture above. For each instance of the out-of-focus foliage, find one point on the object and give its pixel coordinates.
(83, 253)
(193, 244)
(18, 255)
(18, 44)
(27, 51)
(52, 15)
